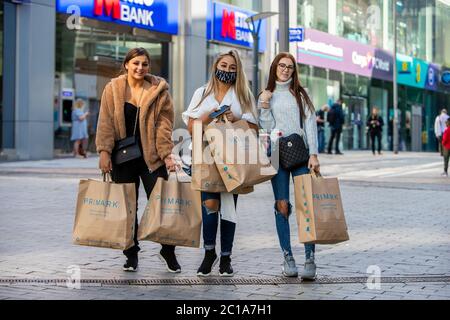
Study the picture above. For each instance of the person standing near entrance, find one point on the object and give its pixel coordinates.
(439, 128)
(375, 125)
(79, 129)
(320, 120)
(336, 120)
(138, 104)
(446, 147)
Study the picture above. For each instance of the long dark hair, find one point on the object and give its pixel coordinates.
(133, 53)
(295, 88)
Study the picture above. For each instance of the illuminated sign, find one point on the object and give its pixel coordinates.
(157, 15)
(229, 26)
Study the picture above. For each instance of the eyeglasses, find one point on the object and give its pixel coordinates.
(284, 66)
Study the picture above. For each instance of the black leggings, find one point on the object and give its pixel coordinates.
(376, 135)
(132, 172)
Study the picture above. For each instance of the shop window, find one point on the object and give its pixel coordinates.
(313, 14)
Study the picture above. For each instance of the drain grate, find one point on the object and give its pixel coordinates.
(221, 281)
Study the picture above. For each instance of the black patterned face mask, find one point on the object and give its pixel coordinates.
(225, 76)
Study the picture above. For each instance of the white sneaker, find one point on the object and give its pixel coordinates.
(289, 267)
(309, 270)
(444, 174)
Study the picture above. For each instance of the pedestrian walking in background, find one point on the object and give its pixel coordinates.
(439, 128)
(446, 147)
(138, 104)
(320, 119)
(227, 86)
(286, 103)
(335, 118)
(79, 129)
(375, 126)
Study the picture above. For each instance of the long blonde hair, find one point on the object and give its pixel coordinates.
(241, 86)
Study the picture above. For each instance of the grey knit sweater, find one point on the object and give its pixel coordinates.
(286, 116)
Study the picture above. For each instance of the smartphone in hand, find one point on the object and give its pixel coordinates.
(219, 112)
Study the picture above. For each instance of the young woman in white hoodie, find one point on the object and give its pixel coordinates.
(282, 105)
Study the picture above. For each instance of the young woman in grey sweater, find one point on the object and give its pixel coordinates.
(282, 105)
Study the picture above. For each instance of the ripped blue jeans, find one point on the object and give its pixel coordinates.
(210, 223)
(280, 186)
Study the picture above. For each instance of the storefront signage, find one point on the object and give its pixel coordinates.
(445, 78)
(327, 51)
(416, 73)
(296, 34)
(157, 15)
(229, 26)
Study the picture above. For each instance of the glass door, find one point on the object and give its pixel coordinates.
(354, 132)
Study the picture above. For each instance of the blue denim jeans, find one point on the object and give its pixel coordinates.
(210, 225)
(280, 186)
(321, 138)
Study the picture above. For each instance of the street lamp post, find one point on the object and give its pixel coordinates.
(255, 26)
(395, 89)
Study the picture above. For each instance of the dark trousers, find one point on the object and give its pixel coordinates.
(440, 146)
(133, 172)
(375, 135)
(335, 133)
(210, 226)
(321, 138)
(446, 153)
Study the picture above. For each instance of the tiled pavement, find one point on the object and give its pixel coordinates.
(397, 221)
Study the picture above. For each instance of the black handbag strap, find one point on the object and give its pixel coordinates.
(138, 106)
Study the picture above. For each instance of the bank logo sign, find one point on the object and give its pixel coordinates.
(445, 78)
(227, 24)
(157, 15)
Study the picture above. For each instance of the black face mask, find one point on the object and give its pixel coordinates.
(225, 76)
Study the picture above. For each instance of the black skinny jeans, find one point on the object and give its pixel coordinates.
(132, 172)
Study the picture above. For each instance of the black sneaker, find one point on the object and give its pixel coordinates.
(225, 269)
(168, 257)
(209, 261)
(131, 264)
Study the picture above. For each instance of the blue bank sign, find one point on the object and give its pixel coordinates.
(229, 26)
(296, 34)
(156, 15)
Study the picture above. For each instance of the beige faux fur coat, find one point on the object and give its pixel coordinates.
(156, 119)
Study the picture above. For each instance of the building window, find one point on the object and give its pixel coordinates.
(253, 5)
(313, 14)
(361, 20)
(442, 39)
(412, 16)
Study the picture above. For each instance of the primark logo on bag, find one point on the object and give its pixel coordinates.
(325, 196)
(174, 201)
(101, 203)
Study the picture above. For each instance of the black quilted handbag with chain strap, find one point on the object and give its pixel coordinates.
(293, 151)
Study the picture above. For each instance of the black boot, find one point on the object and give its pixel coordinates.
(132, 263)
(209, 261)
(167, 256)
(225, 269)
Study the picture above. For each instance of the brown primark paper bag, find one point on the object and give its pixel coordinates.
(318, 205)
(205, 175)
(239, 155)
(105, 214)
(173, 214)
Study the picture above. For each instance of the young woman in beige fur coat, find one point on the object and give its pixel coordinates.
(136, 89)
